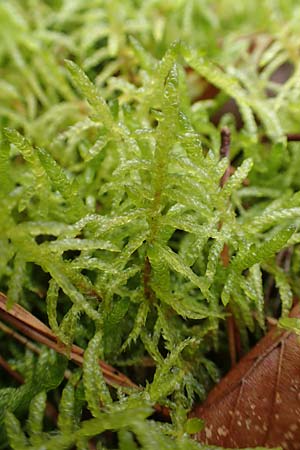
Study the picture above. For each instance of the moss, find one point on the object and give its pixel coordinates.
(114, 216)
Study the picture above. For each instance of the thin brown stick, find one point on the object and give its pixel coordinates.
(290, 137)
(36, 330)
(32, 327)
(225, 152)
(230, 325)
(225, 257)
(293, 137)
(146, 279)
(21, 339)
(26, 342)
(12, 373)
(50, 411)
(225, 142)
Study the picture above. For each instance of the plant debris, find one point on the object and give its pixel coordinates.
(258, 402)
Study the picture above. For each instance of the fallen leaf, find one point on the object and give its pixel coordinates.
(258, 402)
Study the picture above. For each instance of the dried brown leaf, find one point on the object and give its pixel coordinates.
(258, 402)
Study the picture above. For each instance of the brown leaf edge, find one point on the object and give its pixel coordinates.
(258, 402)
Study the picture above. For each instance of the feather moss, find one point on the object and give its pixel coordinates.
(114, 216)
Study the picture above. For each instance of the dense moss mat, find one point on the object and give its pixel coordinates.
(113, 219)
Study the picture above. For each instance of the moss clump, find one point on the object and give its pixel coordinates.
(113, 214)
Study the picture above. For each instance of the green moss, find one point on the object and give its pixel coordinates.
(111, 205)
